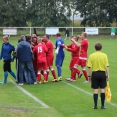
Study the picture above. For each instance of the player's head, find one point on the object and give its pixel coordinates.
(28, 38)
(75, 38)
(98, 46)
(45, 38)
(39, 40)
(58, 34)
(5, 39)
(84, 35)
(33, 35)
(34, 39)
(38, 36)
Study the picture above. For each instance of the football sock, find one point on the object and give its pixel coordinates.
(54, 74)
(102, 98)
(59, 71)
(85, 74)
(5, 77)
(73, 74)
(39, 77)
(12, 73)
(95, 97)
(45, 75)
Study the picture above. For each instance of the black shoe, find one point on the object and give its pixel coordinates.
(95, 107)
(103, 107)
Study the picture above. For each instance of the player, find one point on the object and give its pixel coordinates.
(82, 56)
(113, 31)
(59, 55)
(50, 57)
(6, 51)
(34, 43)
(75, 56)
(40, 50)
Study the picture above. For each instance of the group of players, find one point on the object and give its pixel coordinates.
(43, 57)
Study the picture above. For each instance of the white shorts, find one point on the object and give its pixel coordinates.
(113, 34)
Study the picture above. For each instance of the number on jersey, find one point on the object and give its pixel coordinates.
(39, 49)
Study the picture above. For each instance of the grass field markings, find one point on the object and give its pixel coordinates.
(76, 87)
(30, 95)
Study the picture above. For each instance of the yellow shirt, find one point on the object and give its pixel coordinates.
(98, 61)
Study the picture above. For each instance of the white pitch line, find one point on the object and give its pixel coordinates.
(29, 94)
(76, 87)
(113, 104)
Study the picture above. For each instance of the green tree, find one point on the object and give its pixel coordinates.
(97, 12)
(46, 13)
(13, 13)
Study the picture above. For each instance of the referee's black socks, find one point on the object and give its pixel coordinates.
(95, 97)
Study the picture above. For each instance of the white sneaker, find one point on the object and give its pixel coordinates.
(72, 80)
(35, 83)
(86, 81)
(21, 84)
(68, 79)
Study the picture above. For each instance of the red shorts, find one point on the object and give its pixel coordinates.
(73, 61)
(50, 61)
(81, 62)
(42, 66)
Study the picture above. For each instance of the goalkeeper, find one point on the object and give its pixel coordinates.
(59, 55)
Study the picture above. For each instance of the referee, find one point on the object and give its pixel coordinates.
(98, 73)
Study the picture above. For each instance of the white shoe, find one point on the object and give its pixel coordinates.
(21, 84)
(72, 80)
(35, 83)
(86, 81)
(68, 79)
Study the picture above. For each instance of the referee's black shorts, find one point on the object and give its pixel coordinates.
(98, 80)
(7, 65)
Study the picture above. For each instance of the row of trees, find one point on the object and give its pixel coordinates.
(56, 13)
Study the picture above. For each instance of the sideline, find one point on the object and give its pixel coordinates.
(29, 94)
(84, 91)
(73, 86)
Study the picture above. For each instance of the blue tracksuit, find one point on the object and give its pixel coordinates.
(6, 51)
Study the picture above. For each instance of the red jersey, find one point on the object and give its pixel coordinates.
(50, 48)
(84, 48)
(74, 49)
(40, 50)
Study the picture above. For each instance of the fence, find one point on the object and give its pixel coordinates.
(42, 30)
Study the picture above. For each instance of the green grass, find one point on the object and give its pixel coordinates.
(65, 99)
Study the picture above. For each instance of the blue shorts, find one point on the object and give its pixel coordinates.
(59, 61)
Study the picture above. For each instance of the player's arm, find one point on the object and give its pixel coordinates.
(1, 54)
(73, 49)
(58, 47)
(76, 43)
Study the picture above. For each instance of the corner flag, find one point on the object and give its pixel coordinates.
(108, 92)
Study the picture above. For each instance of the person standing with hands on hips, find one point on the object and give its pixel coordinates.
(98, 73)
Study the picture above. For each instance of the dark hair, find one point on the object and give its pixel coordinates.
(58, 34)
(28, 37)
(47, 36)
(98, 46)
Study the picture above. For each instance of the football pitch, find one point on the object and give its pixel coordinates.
(63, 98)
